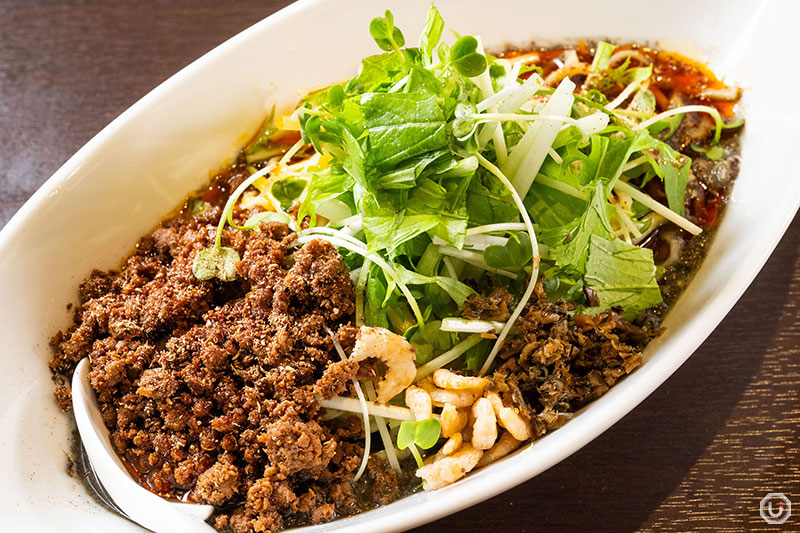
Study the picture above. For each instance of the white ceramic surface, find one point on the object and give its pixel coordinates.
(139, 504)
(90, 213)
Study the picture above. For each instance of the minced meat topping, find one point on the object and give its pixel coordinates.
(211, 389)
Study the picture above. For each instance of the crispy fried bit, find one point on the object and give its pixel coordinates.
(419, 402)
(458, 398)
(449, 469)
(446, 379)
(426, 383)
(451, 446)
(508, 418)
(453, 420)
(514, 423)
(395, 352)
(497, 402)
(504, 445)
(484, 429)
(492, 307)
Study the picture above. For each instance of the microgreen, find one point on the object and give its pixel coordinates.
(713, 153)
(336, 97)
(386, 35)
(423, 433)
(256, 220)
(465, 58)
(218, 261)
(197, 206)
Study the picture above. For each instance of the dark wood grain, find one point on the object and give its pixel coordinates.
(698, 455)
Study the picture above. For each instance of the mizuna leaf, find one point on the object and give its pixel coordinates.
(622, 275)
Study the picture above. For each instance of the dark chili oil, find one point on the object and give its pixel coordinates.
(672, 73)
(675, 78)
(714, 179)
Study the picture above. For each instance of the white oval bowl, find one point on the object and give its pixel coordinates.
(90, 213)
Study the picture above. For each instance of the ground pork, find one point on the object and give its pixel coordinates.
(209, 389)
(217, 484)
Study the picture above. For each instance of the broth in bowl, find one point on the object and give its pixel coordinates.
(408, 276)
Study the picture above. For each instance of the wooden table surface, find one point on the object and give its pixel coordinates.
(698, 455)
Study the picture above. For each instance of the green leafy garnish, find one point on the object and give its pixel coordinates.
(425, 153)
(454, 288)
(601, 56)
(219, 261)
(287, 191)
(465, 58)
(264, 216)
(216, 263)
(385, 34)
(375, 295)
(622, 275)
(432, 32)
(476, 356)
(428, 340)
(423, 433)
(336, 97)
(515, 254)
(713, 153)
(674, 169)
(197, 206)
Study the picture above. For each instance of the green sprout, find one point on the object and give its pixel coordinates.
(423, 433)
